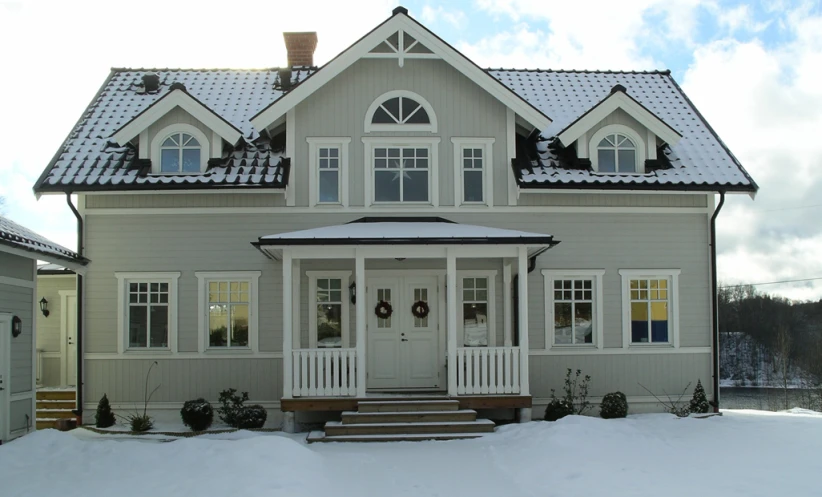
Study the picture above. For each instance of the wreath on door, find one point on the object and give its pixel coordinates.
(383, 310)
(420, 309)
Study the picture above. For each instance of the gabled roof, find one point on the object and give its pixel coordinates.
(699, 161)
(401, 21)
(177, 97)
(18, 239)
(618, 99)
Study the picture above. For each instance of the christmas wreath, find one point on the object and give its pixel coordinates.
(420, 309)
(383, 310)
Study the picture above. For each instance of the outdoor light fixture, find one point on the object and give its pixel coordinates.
(44, 307)
(16, 326)
(352, 291)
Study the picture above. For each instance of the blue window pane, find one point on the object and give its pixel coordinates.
(191, 161)
(472, 186)
(415, 186)
(627, 161)
(386, 186)
(329, 186)
(659, 331)
(607, 162)
(170, 161)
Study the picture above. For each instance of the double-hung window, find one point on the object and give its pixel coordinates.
(228, 310)
(328, 163)
(650, 313)
(476, 313)
(402, 174)
(147, 311)
(472, 170)
(329, 310)
(573, 307)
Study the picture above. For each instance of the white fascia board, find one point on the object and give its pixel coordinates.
(437, 46)
(177, 98)
(619, 100)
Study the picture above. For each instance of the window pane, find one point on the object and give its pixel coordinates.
(382, 117)
(659, 321)
(159, 326)
(386, 186)
(472, 188)
(170, 161)
(137, 326)
(191, 160)
(170, 142)
(336, 284)
(606, 161)
(329, 325)
(419, 117)
(583, 323)
(639, 322)
(329, 186)
(415, 186)
(392, 105)
(475, 325)
(239, 325)
(627, 161)
(218, 326)
(562, 323)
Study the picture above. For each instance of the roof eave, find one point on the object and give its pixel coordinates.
(74, 263)
(707, 188)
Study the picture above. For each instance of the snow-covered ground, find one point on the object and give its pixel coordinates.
(743, 453)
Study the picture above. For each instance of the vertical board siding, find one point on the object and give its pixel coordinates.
(179, 116)
(463, 109)
(189, 200)
(51, 372)
(611, 200)
(49, 333)
(19, 301)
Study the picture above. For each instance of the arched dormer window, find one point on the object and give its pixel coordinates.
(179, 149)
(400, 110)
(617, 149)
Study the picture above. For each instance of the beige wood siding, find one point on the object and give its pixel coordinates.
(170, 200)
(463, 109)
(560, 199)
(179, 116)
(18, 301)
(51, 376)
(49, 328)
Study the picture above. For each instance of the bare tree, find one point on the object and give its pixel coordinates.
(781, 359)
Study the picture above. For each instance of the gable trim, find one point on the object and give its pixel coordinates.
(177, 98)
(400, 21)
(618, 99)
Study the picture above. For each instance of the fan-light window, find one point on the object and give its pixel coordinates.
(400, 110)
(180, 153)
(617, 154)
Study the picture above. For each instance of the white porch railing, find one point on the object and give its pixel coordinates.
(488, 370)
(324, 372)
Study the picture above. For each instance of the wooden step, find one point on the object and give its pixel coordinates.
(407, 405)
(335, 428)
(56, 395)
(45, 424)
(56, 404)
(353, 417)
(320, 436)
(52, 414)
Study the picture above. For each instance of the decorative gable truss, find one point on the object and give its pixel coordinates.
(401, 46)
(618, 135)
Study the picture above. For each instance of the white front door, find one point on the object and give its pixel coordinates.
(5, 372)
(403, 350)
(70, 338)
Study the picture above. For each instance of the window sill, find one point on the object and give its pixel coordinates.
(149, 351)
(665, 345)
(402, 204)
(586, 346)
(229, 350)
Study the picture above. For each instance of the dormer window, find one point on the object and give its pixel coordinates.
(180, 153)
(616, 153)
(400, 110)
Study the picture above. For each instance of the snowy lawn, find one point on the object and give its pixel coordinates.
(743, 453)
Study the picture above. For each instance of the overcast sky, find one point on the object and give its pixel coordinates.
(753, 70)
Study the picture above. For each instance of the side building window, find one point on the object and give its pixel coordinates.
(473, 171)
(477, 309)
(328, 165)
(650, 307)
(573, 308)
(228, 310)
(147, 311)
(329, 312)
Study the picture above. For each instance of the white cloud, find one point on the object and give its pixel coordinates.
(432, 15)
(740, 18)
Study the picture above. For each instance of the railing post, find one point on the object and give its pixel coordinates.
(359, 281)
(522, 263)
(451, 283)
(287, 325)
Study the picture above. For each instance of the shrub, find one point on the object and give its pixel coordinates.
(140, 423)
(197, 414)
(576, 392)
(104, 417)
(699, 402)
(614, 405)
(232, 404)
(251, 417)
(558, 409)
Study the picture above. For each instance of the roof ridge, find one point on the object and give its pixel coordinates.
(663, 72)
(205, 69)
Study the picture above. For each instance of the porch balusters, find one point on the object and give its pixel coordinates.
(488, 370)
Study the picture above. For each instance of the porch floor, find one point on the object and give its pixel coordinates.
(352, 403)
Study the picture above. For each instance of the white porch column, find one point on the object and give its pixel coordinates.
(359, 281)
(288, 336)
(506, 304)
(451, 297)
(522, 266)
(295, 304)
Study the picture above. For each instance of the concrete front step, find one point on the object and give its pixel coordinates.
(56, 395)
(319, 436)
(54, 413)
(335, 428)
(407, 405)
(352, 417)
(56, 404)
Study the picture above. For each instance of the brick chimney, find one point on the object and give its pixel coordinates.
(300, 47)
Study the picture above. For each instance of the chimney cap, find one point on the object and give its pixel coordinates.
(151, 82)
(400, 10)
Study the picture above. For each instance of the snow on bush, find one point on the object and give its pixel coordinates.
(614, 405)
(197, 414)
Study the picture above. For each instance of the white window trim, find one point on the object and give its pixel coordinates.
(369, 115)
(491, 275)
(673, 308)
(203, 278)
(313, 276)
(551, 275)
(487, 146)
(610, 129)
(160, 137)
(314, 146)
(372, 142)
(123, 279)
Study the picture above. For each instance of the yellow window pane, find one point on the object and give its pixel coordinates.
(659, 311)
(663, 283)
(639, 311)
(634, 284)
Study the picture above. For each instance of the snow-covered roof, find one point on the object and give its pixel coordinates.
(53, 269)
(699, 161)
(17, 237)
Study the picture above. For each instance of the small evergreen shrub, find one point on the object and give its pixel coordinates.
(699, 402)
(140, 423)
(575, 394)
(104, 418)
(558, 409)
(251, 417)
(197, 414)
(232, 404)
(614, 405)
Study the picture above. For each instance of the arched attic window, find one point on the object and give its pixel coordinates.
(617, 149)
(179, 149)
(400, 110)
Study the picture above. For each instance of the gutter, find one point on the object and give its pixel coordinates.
(715, 303)
(79, 327)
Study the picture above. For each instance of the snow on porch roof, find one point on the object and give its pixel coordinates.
(399, 231)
